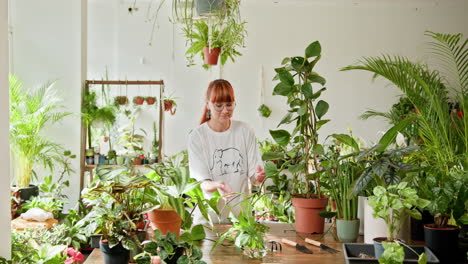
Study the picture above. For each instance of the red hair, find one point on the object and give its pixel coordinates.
(219, 91)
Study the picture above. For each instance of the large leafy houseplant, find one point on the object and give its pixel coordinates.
(173, 189)
(118, 202)
(393, 202)
(296, 78)
(442, 132)
(31, 112)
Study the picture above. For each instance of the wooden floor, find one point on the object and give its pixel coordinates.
(230, 255)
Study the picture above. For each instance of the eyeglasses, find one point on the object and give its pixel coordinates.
(218, 107)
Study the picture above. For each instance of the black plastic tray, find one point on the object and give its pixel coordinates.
(352, 250)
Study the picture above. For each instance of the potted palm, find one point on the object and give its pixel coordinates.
(442, 136)
(296, 78)
(30, 113)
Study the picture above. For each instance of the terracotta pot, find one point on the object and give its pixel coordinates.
(307, 218)
(211, 55)
(150, 100)
(137, 161)
(139, 100)
(165, 221)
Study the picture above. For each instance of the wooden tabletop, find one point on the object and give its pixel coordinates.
(230, 255)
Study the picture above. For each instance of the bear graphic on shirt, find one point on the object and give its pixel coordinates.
(226, 161)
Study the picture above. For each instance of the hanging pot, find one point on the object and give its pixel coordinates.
(211, 55)
(207, 7)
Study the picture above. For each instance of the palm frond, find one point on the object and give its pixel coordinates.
(451, 51)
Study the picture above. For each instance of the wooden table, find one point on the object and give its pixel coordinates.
(230, 255)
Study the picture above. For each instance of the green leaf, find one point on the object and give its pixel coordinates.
(315, 78)
(318, 93)
(317, 149)
(286, 77)
(306, 89)
(322, 122)
(302, 109)
(272, 156)
(347, 140)
(296, 168)
(313, 50)
(285, 60)
(422, 258)
(391, 177)
(282, 89)
(390, 136)
(198, 233)
(281, 137)
(380, 167)
(298, 64)
(286, 119)
(327, 214)
(270, 169)
(363, 180)
(321, 109)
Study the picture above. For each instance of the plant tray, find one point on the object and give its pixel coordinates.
(352, 251)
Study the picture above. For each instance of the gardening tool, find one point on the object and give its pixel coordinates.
(320, 245)
(275, 246)
(299, 247)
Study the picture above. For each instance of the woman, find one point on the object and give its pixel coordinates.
(223, 153)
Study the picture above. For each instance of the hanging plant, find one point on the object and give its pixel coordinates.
(138, 100)
(264, 111)
(170, 106)
(150, 100)
(120, 100)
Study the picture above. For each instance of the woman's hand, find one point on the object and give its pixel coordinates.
(260, 174)
(225, 190)
(223, 187)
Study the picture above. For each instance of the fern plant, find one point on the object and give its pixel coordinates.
(31, 112)
(443, 135)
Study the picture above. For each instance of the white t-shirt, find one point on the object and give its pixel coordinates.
(230, 156)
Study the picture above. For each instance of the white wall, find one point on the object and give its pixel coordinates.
(347, 31)
(5, 216)
(47, 45)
